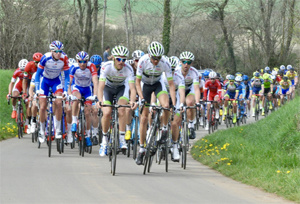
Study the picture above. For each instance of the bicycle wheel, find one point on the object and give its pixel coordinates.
(185, 145)
(166, 156)
(129, 144)
(49, 135)
(82, 122)
(210, 121)
(135, 140)
(19, 123)
(256, 110)
(149, 147)
(114, 149)
(100, 128)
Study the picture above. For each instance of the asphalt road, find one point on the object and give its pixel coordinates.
(28, 175)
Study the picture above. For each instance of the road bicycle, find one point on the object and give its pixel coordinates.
(20, 119)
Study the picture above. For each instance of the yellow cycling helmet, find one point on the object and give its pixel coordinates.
(276, 69)
(266, 76)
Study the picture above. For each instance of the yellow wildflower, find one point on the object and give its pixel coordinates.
(278, 171)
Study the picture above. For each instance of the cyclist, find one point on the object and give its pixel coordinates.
(34, 108)
(96, 60)
(248, 91)
(214, 87)
(83, 73)
(232, 92)
(257, 84)
(116, 79)
(15, 86)
(30, 69)
(149, 80)
(50, 67)
(192, 91)
(276, 88)
(267, 70)
(268, 91)
(282, 68)
(136, 55)
(180, 99)
(285, 87)
(293, 77)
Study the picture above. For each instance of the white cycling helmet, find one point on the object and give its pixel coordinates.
(187, 55)
(238, 78)
(227, 77)
(82, 55)
(22, 64)
(56, 45)
(156, 49)
(274, 73)
(129, 61)
(71, 61)
(289, 67)
(282, 67)
(120, 50)
(273, 77)
(212, 75)
(173, 61)
(267, 68)
(137, 54)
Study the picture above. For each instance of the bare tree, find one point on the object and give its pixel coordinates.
(103, 24)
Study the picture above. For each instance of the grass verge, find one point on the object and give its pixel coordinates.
(8, 127)
(265, 154)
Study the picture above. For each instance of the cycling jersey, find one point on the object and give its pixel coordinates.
(267, 83)
(191, 78)
(83, 78)
(285, 84)
(17, 78)
(248, 88)
(151, 74)
(291, 76)
(231, 89)
(178, 80)
(115, 78)
(30, 68)
(242, 90)
(213, 88)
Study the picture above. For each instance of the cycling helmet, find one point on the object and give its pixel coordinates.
(273, 77)
(218, 75)
(238, 78)
(187, 55)
(212, 75)
(71, 61)
(289, 67)
(96, 59)
(173, 61)
(285, 78)
(22, 64)
(156, 49)
(56, 45)
(282, 67)
(266, 76)
(238, 74)
(227, 77)
(205, 73)
(129, 61)
(82, 56)
(137, 54)
(274, 73)
(37, 56)
(120, 50)
(231, 77)
(292, 69)
(267, 68)
(256, 74)
(276, 69)
(245, 78)
(262, 71)
(280, 72)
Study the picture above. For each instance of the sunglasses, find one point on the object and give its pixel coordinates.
(58, 51)
(136, 60)
(231, 80)
(187, 62)
(173, 69)
(121, 59)
(82, 61)
(212, 78)
(156, 58)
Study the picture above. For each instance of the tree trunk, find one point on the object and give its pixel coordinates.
(167, 26)
(132, 25)
(126, 23)
(103, 25)
(88, 26)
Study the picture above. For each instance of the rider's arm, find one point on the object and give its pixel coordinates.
(39, 72)
(172, 91)
(67, 79)
(70, 84)
(197, 93)
(132, 92)
(31, 88)
(139, 88)
(100, 90)
(93, 70)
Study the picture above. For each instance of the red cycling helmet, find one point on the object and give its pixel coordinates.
(37, 56)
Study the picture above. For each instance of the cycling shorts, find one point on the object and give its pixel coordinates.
(121, 92)
(284, 91)
(158, 88)
(231, 95)
(84, 91)
(267, 90)
(190, 91)
(256, 90)
(54, 84)
(211, 96)
(293, 82)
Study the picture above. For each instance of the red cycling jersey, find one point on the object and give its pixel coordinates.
(214, 89)
(19, 76)
(30, 69)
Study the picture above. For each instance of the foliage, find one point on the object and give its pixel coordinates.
(265, 154)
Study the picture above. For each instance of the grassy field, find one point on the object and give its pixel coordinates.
(8, 127)
(265, 154)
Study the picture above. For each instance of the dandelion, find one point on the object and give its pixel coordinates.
(288, 172)
(212, 154)
(278, 171)
(228, 164)
(241, 144)
(200, 155)
(211, 145)
(216, 163)
(3, 128)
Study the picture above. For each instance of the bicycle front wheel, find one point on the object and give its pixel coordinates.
(135, 140)
(49, 135)
(115, 141)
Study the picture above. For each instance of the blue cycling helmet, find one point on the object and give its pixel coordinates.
(257, 74)
(245, 78)
(231, 77)
(56, 45)
(82, 55)
(96, 60)
(205, 73)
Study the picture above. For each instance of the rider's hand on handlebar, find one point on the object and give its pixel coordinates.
(8, 96)
(133, 105)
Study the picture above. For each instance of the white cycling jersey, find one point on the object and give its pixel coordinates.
(151, 74)
(83, 78)
(51, 67)
(114, 78)
(201, 83)
(178, 80)
(192, 77)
